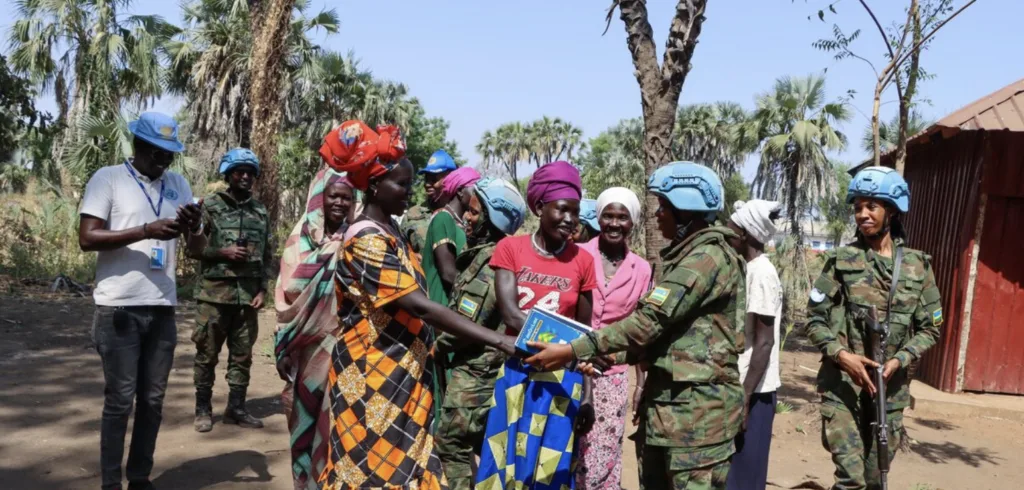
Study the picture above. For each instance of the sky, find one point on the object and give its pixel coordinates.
(480, 64)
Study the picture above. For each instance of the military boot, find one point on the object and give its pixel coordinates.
(204, 410)
(236, 412)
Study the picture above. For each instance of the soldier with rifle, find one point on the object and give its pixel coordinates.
(874, 310)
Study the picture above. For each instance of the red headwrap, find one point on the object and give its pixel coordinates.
(355, 148)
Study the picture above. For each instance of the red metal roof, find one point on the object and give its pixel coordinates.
(1002, 110)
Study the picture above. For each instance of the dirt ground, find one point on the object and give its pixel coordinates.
(51, 396)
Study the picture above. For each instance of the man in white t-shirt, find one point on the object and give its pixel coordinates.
(759, 363)
(132, 215)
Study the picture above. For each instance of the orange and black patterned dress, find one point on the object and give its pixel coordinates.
(380, 378)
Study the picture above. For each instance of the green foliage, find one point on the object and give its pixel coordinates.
(797, 128)
(889, 132)
(783, 407)
(41, 238)
(427, 135)
(514, 144)
(615, 158)
(14, 177)
(716, 135)
(17, 110)
(791, 261)
(735, 190)
(838, 215)
(20, 123)
(97, 142)
(785, 335)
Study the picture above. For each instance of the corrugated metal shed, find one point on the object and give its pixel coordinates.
(944, 179)
(994, 357)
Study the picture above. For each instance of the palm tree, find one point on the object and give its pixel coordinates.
(92, 60)
(615, 158)
(488, 150)
(210, 60)
(798, 128)
(210, 69)
(889, 132)
(711, 134)
(572, 139)
(505, 148)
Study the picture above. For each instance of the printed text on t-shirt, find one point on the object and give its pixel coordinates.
(526, 275)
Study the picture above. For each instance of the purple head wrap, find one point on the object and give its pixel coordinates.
(552, 182)
(457, 180)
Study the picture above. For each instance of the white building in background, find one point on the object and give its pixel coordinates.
(815, 234)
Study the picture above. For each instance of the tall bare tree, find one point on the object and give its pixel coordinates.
(902, 67)
(270, 24)
(660, 85)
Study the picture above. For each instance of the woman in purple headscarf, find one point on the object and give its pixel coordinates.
(545, 270)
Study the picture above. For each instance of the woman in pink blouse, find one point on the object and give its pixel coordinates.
(622, 279)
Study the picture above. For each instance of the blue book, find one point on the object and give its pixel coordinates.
(545, 326)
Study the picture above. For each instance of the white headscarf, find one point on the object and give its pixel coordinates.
(620, 195)
(753, 216)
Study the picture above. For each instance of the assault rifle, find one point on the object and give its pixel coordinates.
(879, 336)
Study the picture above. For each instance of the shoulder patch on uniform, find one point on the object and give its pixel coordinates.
(468, 307)
(817, 296)
(937, 317)
(171, 194)
(658, 296)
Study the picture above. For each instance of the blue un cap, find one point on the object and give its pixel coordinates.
(159, 130)
(439, 162)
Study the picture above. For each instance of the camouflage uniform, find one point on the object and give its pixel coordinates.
(689, 330)
(414, 226)
(474, 369)
(856, 275)
(227, 288)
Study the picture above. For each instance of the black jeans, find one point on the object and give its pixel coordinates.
(136, 345)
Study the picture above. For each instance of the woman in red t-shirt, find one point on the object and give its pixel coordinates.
(546, 269)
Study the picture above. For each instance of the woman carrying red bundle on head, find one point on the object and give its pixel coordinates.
(381, 404)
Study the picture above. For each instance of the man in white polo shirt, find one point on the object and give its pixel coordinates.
(132, 215)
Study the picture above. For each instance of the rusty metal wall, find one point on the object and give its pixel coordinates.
(995, 349)
(944, 178)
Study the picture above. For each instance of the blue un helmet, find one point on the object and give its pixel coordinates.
(882, 183)
(505, 207)
(237, 157)
(689, 187)
(588, 214)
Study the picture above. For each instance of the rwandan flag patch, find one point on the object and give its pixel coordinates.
(468, 307)
(937, 317)
(658, 296)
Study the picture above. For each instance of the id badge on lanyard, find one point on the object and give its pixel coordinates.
(157, 251)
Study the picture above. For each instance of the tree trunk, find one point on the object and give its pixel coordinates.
(900, 156)
(792, 208)
(660, 87)
(270, 24)
(876, 140)
(657, 152)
